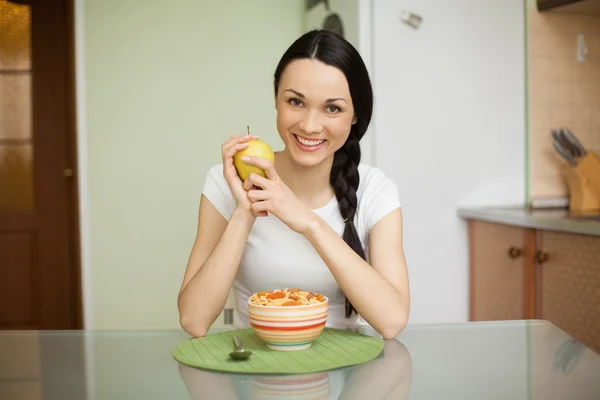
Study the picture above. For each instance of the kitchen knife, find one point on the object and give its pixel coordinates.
(564, 152)
(573, 142)
(558, 136)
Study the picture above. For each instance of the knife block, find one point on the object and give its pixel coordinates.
(583, 182)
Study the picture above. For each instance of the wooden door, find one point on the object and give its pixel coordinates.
(568, 284)
(39, 268)
(501, 272)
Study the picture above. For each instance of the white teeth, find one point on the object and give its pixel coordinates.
(309, 142)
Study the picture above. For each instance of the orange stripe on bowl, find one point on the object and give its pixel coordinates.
(286, 328)
(287, 309)
(291, 321)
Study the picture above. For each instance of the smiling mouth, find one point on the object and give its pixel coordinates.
(309, 143)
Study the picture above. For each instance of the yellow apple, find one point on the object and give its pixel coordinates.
(256, 148)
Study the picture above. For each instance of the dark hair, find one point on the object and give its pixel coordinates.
(332, 49)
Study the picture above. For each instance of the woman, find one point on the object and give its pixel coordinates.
(318, 213)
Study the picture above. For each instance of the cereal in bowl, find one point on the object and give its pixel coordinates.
(286, 297)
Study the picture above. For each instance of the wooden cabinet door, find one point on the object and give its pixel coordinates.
(568, 284)
(501, 277)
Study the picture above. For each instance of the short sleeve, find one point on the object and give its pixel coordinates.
(380, 197)
(217, 191)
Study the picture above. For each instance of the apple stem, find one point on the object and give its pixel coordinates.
(248, 126)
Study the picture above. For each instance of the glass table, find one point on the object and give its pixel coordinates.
(491, 360)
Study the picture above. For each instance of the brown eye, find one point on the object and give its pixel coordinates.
(295, 102)
(333, 109)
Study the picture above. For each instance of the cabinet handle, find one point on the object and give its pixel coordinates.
(514, 252)
(541, 257)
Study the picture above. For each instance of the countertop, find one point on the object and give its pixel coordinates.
(477, 360)
(545, 219)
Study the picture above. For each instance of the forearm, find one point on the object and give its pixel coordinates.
(204, 297)
(373, 296)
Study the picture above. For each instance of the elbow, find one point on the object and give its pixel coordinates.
(189, 322)
(389, 334)
(394, 326)
(192, 327)
(390, 331)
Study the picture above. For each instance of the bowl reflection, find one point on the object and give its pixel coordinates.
(298, 387)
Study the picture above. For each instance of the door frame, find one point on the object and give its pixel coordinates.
(82, 230)
(73, 161)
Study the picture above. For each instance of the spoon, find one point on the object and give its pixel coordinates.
(240, 353)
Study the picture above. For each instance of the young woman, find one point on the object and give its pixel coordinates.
(320, 221)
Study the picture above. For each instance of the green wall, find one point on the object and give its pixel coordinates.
(166, 82)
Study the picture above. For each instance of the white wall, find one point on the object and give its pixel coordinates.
(449, 129)
(161, 84)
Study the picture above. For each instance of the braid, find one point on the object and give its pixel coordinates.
(345, 179)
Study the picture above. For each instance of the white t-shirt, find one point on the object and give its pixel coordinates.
(276, 257)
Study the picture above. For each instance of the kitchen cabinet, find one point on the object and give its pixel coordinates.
(501, 273)
(568, 284)
(526, 273)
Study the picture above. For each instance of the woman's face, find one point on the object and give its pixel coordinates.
(314, 111)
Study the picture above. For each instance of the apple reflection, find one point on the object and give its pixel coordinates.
(389, 376)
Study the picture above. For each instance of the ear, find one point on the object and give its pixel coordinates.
(354, 120)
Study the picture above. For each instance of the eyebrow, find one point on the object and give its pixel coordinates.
(297, 93)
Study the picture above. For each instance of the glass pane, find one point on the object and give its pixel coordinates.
(15, 107)
(16, 177)
(16, 147)
(14, 36)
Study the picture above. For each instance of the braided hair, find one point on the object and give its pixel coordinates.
(332, 49)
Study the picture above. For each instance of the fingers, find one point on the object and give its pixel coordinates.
(260, 213)
(235, 140)
(263, 164)
(258, 181)
(257, 195)
(238, 139)
(260, 208)
(234, 148)
(248, 185)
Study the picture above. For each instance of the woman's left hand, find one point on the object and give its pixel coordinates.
(271, 195)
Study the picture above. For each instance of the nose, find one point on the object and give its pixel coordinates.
(310, 123)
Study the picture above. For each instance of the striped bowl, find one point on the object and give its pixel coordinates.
(288, 328)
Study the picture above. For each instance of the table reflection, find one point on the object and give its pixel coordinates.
(389, 376)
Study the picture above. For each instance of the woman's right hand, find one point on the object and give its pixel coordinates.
(228, 149)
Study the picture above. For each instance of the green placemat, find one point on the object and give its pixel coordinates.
(333, 349)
